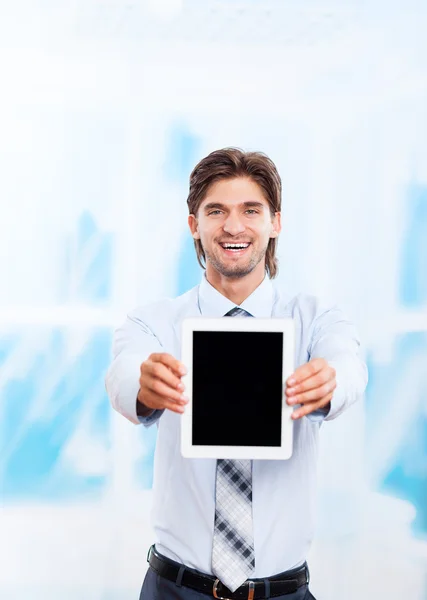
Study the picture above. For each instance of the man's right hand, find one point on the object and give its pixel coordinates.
(160, 383)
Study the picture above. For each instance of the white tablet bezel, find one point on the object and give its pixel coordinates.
(285, 326)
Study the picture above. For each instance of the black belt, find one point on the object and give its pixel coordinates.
(255, 589)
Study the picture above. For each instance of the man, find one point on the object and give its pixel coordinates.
(202, 549)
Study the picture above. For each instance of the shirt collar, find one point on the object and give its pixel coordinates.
(213, 304)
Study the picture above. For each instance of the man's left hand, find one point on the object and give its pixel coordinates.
(312, 385)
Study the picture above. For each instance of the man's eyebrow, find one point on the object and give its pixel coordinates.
(218, 205)
(253, 204)
(212, 205)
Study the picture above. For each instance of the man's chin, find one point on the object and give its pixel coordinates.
(234, 271)
(236, 274)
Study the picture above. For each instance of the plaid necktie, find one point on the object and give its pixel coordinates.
(233, 557)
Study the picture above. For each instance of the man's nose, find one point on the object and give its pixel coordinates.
(234, 225)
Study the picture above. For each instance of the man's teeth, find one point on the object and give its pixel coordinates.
(235, 246)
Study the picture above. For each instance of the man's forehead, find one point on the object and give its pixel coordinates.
(234, 193)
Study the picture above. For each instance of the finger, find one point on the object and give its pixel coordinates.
(305, 371)
(170, 361)
(155, 402)
(165, 391)
(324, 376)
(159, 371)
(313, 395)
(174, 407)
(305, 410)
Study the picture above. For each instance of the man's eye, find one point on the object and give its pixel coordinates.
(252, 211)
(214, 212)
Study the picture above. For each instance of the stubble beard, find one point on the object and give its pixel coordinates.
(236, 271)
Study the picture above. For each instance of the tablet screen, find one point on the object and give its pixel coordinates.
(237, 388)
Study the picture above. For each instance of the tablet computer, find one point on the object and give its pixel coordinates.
(237, 369)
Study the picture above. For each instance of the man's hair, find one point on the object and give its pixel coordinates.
(230, 163)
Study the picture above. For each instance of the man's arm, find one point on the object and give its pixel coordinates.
(133, 342)
(142, 379)
(335, 376)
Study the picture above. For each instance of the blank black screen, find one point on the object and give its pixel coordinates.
(237, 388)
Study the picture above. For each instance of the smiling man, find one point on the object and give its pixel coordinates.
(202, 548)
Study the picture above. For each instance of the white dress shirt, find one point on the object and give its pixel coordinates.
(284, 492)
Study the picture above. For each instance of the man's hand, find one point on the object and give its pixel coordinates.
(311, 385)
(160, 383)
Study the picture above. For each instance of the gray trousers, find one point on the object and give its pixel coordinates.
(159, 588)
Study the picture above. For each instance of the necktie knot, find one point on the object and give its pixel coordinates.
(238, 312)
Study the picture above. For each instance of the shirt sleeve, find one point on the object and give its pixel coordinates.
(150, 419)
(133, 343)
(335, 339)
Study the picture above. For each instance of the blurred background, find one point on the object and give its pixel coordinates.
(105, 107)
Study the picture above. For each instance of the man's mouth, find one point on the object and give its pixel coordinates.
(235, 248)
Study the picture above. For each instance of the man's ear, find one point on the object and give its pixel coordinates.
(192, 223)
(277, 225)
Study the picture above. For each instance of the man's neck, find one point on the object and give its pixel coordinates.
(236, 290)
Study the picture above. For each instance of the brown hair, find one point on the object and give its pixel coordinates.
(229, 163)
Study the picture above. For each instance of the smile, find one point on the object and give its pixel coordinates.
(235, 248)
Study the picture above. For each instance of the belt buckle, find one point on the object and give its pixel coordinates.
(215, 591)
(251, 591)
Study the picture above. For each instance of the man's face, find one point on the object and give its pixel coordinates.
(234, 225)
